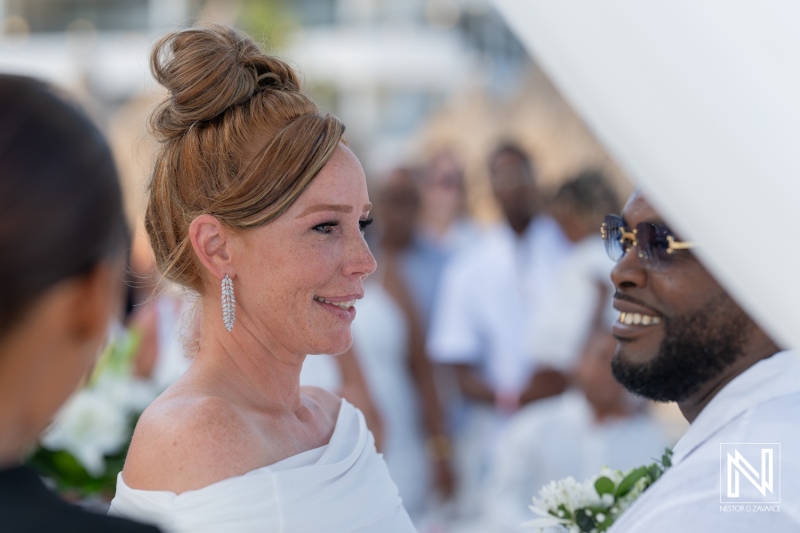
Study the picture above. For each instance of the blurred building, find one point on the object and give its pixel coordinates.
(382, 65)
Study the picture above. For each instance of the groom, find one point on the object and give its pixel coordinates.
(682, 338)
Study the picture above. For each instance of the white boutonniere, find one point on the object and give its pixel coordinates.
(595, 504)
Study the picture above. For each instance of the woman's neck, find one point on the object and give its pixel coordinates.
(236, 364)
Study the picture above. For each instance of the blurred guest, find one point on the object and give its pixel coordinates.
(443, 227)
(575, 434)
(443, 211)
(62, 239)
(490, 293)
(389, 344)
(583, 290)
(400, 372)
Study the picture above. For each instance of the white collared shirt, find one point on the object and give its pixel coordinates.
(487, 299)
(761, 405)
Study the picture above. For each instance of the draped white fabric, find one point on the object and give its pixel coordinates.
(699, 101)
(341, 487)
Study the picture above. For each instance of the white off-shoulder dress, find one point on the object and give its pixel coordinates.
(343, 486)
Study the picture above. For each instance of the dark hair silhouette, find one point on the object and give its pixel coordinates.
(60, 198)
(590, 193)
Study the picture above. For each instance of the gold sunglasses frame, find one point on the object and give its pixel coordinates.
(631, 237)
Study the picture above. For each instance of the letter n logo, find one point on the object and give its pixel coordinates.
(749, 472)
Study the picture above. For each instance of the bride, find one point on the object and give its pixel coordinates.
(256, 204)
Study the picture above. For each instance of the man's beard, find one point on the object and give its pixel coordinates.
(697, 347)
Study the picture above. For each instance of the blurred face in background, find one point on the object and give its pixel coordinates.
(398, 208)
(443, 191)
(514, 187)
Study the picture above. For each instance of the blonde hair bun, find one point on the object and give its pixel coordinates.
(208, 71)
(239, 141)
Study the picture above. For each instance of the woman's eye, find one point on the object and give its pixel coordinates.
(364, 224)
(325, 227)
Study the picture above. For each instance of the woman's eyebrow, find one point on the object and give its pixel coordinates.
(331, 207)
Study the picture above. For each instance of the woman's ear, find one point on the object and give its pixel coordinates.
(210, 241)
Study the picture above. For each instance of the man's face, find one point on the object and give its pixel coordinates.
(513, 184)
(689, 330)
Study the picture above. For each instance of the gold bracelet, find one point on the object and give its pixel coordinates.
(439, 447)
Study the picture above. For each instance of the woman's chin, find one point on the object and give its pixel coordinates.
(334, 344)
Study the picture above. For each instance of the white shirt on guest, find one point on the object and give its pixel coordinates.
(488, 296)
(556, 438)
(559, 335)
(761, 405)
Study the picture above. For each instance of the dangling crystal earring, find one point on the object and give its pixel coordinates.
(228, 303)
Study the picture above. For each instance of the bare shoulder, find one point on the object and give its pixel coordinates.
(186, 442)
(328, 402)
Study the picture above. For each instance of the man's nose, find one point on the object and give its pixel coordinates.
(628, 272)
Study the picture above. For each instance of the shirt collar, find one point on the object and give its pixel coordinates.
(766, 380)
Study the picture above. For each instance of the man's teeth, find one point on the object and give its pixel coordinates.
(638, 318)
(343, 305)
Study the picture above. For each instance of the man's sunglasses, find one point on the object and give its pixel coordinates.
(655, 243)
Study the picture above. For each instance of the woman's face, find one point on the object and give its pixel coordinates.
(300, 275)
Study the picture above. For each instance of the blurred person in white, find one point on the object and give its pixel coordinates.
(682, 338)
(62, 238)
(594, 424)
(389, 344)
(489, 295)
(583, 290)
(256, 204)
(443, 228)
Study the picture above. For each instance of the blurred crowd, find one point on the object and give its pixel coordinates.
(481, 355)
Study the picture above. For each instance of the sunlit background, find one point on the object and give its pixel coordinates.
(407, 77)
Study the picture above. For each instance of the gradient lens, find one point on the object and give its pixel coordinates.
(653, 245)
(612, 237)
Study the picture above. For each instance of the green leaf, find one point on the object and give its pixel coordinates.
(666, 459)
(629, 481)
(584, 521)
(567, 515)
(604, 485)
(654, 472)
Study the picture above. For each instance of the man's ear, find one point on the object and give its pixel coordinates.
(210, 241)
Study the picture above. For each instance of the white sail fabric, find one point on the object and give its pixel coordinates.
(699, 101)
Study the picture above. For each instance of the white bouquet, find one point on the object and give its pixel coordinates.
(84, 448)
(593, 505)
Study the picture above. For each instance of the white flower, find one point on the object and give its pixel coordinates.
(569, 493)
(89, 427)
(130, 395)
(546, 521)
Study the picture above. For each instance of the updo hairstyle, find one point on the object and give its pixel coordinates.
(239, 141)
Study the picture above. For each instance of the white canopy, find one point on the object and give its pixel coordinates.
(699, 101)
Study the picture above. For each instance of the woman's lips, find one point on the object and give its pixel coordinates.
(344, 309)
